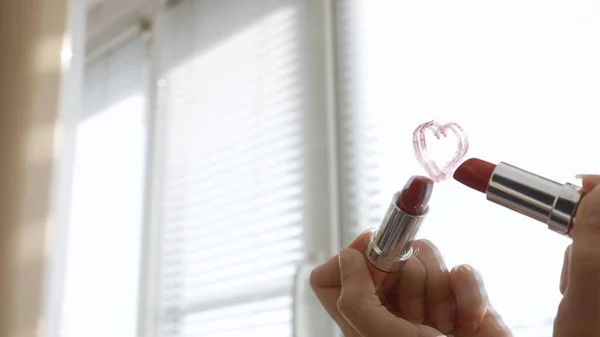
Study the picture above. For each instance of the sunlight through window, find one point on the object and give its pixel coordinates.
(520, 77)
(103, 253)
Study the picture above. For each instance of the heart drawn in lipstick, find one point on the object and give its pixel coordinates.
(420, 147)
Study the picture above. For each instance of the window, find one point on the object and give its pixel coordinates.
(103, 253)
(276, 139)
(520, 76)
(239, 103)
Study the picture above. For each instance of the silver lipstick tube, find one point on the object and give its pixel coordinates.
(539, 198)
(391, 245)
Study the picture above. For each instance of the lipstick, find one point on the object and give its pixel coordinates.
(391, 245)
(524, 192)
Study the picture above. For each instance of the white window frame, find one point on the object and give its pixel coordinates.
(88, 42)
(70, 103)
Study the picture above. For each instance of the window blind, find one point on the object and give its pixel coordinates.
(520, 77)
(233, 220)
(103, 241)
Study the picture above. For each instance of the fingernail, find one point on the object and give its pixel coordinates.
(368, 230)
(587, 176)
(443, 317)
(416, 309)
(471, 326)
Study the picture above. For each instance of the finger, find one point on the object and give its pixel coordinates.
(410, 291)
(582, 289)
(440, 301)
(359, 303)
(328, 274)
(471, 297)
(590, 181)
(585, 250)
(565, 270)
(324, 286)
(325, 281)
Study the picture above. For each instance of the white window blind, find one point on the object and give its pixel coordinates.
(237, 168)
(520, 76)
(102, 262)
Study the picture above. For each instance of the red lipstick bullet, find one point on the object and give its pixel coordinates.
(415, 195)
(391, 244)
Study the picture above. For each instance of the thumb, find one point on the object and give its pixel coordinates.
(359, 303)
(586, 228)
(584, 265)
(580, 307)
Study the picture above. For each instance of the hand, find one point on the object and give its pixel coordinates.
(423, 300)
(579, 310)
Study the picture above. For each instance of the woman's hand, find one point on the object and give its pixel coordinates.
(579, 310)
(424, 300)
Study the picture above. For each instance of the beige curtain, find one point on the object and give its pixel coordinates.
(31, 35)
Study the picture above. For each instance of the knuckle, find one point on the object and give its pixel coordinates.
(425, 245)
(430, 254)
(342, 304)
(345, 304)
(349, 305)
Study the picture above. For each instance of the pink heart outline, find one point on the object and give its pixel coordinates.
(420, 148)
